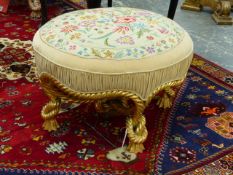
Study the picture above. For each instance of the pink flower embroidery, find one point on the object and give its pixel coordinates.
(163, 30)
(126, 19)
(122, 29)
(65, 23)
(69, 28)
(72, 47)
(150, 37)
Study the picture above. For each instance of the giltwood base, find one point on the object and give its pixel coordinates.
(135, 123)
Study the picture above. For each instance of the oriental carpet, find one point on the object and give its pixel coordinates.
(194, 137)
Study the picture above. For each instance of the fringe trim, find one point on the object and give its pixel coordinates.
(141, 83)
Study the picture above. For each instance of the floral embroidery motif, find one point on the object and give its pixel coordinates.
(69, 28)
(112, 33)
(125, 40)
(127, 19)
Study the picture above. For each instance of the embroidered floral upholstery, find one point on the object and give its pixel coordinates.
(113, 48)
(113, 33)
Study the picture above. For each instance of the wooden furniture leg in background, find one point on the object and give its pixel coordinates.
(172, 9)
(35, 7)
(93, 4)
(44, 15)
(109, 3)
(97, 3)
(90, 4)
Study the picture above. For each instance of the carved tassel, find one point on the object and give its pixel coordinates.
(49, 111)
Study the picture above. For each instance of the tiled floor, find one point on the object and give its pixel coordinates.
(214, 42)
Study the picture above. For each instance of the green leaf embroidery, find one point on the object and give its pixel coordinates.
(106, 42)
(139, 33)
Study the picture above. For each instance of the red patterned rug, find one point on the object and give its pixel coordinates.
(194, 137)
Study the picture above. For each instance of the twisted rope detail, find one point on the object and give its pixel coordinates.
(54, 89)
(48, 112)
(136, 125)
(167, 87)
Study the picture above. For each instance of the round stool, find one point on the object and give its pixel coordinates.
(105, 53)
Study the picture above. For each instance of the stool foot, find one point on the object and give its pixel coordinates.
(135, 124)
(136, 127)
(137, 134)
(135, 147)
(49, 112)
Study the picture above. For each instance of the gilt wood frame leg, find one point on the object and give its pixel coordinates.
(221, 9)
(136, 124)
(35, 7)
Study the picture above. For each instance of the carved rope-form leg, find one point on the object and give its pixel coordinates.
(51, 109)
(49, 112)
(136, 125)
(137, 134)
(136, 128)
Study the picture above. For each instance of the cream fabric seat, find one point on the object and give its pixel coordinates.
(111, 53)
(113, 48)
